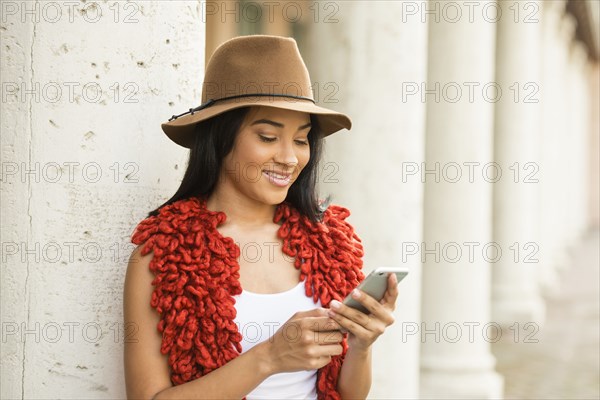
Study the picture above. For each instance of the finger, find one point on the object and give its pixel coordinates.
(328, 350)
(374, 307)
(315, 312)
(319, 324)
(391, 294)
(353, 314)
(350, 325)
(327, 338)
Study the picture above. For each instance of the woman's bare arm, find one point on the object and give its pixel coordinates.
(146, 369)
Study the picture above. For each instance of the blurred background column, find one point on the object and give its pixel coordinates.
(456, 295)
(551, 162)
(516, 296)
(563, 181)
(223, 19)
(364, 58)
(594, 144)
(577, 138)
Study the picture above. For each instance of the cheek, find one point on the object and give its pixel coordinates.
(255, 153)
(227, 161)
(247, 156)
(303, 158)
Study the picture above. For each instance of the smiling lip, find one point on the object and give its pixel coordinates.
(278, 179)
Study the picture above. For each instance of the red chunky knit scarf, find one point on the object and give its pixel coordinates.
(197, 273)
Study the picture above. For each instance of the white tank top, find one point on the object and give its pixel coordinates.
(258, 317)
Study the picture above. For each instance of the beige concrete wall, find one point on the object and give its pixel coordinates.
(85, 88)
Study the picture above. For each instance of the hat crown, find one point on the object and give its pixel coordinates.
(256, 64)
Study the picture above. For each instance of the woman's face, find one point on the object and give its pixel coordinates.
(269, 152)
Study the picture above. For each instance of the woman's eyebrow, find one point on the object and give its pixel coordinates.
(277, 124)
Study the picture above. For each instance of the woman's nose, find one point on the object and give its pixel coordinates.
(286, 154)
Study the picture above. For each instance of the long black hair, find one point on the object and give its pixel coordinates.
(214, 139)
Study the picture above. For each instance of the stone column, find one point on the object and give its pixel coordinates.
(516, 297)
(456, 361)
(564, 182)
(363, 58)
(576, 140)
(223, 20)
(593, 184)
(278, 17)
(551, 171)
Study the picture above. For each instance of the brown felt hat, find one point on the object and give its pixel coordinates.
(254, 70)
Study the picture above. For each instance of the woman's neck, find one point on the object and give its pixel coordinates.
(241, 210)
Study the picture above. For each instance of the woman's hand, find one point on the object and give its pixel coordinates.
(306, 341)
(363, 328)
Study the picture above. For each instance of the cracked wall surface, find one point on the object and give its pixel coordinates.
(85, 87)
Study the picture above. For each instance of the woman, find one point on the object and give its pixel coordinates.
(238, 278)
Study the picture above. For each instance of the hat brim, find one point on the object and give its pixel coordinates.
(181, 130)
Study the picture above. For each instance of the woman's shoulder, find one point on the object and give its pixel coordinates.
(336, 215)
(334, 229)
(168, 219)
(341, 237)
(336, 212)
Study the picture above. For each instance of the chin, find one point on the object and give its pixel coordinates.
(275, 198)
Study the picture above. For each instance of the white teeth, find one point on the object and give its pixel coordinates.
(277, 179)
(273, 174)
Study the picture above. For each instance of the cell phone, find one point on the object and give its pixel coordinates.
(375, 285)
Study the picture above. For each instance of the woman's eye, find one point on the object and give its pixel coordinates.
(302, 142)
(266, 139)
